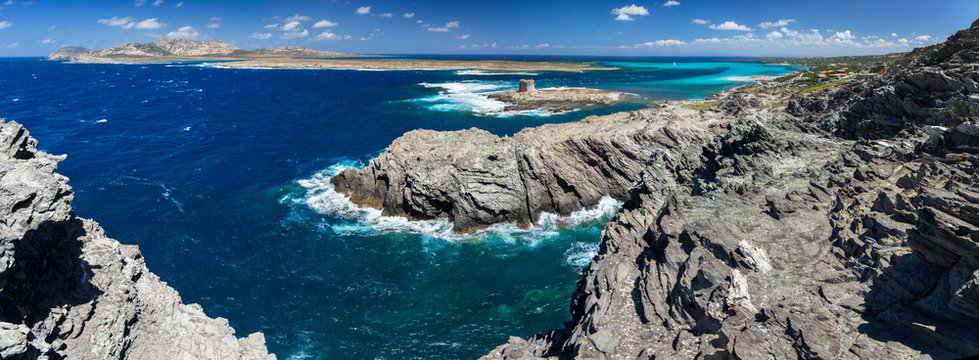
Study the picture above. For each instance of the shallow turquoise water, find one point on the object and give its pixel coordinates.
(221, 177)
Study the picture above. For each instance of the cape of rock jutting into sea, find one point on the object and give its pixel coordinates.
(67, 291)
(834, 224)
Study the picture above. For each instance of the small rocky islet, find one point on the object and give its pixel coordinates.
(840, 223)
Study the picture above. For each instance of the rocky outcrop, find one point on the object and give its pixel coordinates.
(68, 291)
(67, 53)
(554, 100)
(477, 178)
(843, 226)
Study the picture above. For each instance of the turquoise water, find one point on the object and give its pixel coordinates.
(222, 178)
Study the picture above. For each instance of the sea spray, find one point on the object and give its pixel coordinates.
(348, 218)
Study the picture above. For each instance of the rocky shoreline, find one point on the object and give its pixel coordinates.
(554, 100)
(67, 291)
(775, 224)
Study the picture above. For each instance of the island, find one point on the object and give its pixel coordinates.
(556, 100)
(225, 55)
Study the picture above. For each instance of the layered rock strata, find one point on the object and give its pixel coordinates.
(844, 225)
(67, 291)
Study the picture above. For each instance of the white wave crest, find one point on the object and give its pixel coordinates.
(580, 254)
(467, 95)
(350, 219)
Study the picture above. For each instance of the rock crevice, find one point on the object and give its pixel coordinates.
(69, 291)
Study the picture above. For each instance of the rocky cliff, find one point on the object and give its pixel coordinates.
(67, 291)
(842, 224)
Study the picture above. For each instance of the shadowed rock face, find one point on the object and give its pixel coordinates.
(844, 226)
(68, 291)
(478, 179)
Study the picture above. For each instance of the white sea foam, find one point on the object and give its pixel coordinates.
(493, 73)
(354, 220)
(101, 121)
(467, 95)
(580, 254)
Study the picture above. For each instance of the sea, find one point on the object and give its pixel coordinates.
(221, 176)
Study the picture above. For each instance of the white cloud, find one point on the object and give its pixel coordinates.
(215, 18)
(213, 26)
(923, 38)
(115, 21)
(261, 36)
(52, 27)
(462, 37)
(363, 10)
(139, 3)
(185, 32)
(10, 45)
(9, 2)
(324, 23)
(149, 24)
(445, 28)
(296, 34)
(48, 41)
(846, 35)
(409, 15)
(298, 17)
(326, 35)
(290, 26)
(386, 15)
(5, 24)
(730, 25)
(700, 21)
(774, 35)
(668, 42)
(778, 23)
(669, 3)
(624, 13)
(179, 4)
(158, 3)
(894, 34)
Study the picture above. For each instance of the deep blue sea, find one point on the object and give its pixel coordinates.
(222, 178)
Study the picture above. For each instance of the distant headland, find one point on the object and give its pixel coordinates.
(230, 56)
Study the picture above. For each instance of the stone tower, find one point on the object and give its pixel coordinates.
(526, 86)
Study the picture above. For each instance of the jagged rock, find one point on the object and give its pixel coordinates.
(844, 226)
(13, 340)
(81, 294)
(477, 178)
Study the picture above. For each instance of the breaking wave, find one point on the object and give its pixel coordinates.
(346, 218)
(471, 96)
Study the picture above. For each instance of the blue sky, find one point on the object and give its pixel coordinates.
(632, 27)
